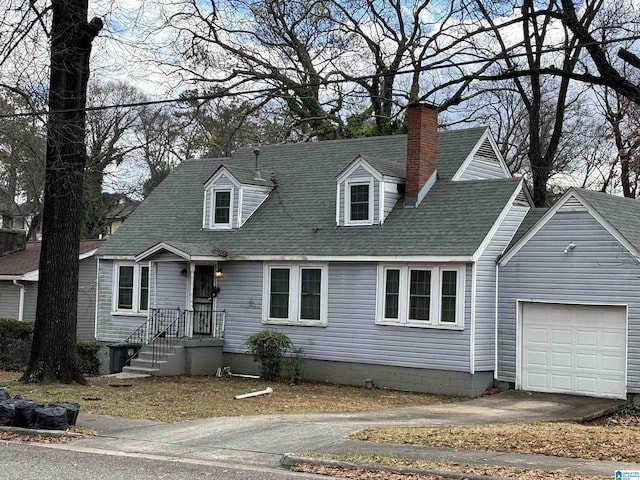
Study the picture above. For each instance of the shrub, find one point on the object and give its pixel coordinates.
(88, 357)
(296, 362)
(15, 343)
(268, 347)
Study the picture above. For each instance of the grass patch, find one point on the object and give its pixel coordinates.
(440, 466)
(173, 399)
(573, 440)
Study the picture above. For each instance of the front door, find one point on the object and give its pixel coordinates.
(204, 293)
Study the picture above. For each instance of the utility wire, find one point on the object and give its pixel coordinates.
(229, 93)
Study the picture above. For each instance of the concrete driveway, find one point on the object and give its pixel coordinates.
(262, 440)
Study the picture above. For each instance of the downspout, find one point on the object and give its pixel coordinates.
(495, 326)
(21, 304)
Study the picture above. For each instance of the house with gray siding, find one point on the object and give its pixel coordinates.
(376, 256)
(19, 273)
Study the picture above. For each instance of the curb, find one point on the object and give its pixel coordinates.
(291, 459)
(40, 433)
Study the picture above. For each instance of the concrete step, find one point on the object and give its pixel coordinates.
(140, 370)
(148, 355)
(146, 363)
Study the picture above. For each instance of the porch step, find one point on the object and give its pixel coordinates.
(141, 370)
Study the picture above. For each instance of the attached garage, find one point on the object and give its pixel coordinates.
(573, 349)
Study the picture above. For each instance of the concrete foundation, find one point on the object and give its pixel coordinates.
(399, 378)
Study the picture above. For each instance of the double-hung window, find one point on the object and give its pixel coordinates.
(422, 296)
(132, 288)
(359, 202)
(222, 208)
(295, 294)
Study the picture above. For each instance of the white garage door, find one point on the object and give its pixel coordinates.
(574, 349)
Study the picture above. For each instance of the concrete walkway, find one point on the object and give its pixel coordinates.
(265, 440)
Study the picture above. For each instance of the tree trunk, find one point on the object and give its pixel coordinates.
(53, 353)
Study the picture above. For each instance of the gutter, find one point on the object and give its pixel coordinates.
(21, 304)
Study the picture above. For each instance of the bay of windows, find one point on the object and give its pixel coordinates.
(421, 296)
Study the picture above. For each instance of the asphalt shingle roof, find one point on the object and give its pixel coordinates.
(622, 213)
(27, 260)
(299, 216)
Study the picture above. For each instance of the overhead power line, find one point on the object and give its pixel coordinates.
(227, 93)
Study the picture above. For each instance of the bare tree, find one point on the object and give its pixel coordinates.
(53, 356)
(22, 149)
(110, 140)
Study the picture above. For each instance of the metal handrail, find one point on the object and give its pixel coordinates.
(170, 325)
(167, 337)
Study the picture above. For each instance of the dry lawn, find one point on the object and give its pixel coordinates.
(173, 399)
(614, 440)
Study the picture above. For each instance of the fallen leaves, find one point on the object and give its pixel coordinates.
(616, 442)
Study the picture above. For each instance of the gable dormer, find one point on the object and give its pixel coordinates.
(365, 196)
(228, 201)
(485, 162)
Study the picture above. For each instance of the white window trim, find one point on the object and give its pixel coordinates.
(436, 295)
(212, 210)
(347, 201)
(135, 310)
(295, 287)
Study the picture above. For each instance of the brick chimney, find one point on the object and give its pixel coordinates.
(422, 149)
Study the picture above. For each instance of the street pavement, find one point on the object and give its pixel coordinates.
(29, 461)
(264, 441)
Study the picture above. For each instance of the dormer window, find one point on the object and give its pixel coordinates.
(359, 202)
(228, 201)
(222, 208)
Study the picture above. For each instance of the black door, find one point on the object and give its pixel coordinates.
(204, 292)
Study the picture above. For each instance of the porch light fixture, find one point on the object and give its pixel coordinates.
(571, 246)
(219, 273)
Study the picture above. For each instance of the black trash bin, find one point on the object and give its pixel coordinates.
(119, 355)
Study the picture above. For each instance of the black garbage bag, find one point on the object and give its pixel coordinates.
(72, 409)
(24, 413)
(50, 418)
(4, 394)
(7, 412)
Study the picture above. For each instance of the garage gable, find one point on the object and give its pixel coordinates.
(619, 216)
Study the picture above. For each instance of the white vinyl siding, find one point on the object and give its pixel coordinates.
(351, 334)
(485, 298)
(484, 165)
(295, 294)
(421, 296)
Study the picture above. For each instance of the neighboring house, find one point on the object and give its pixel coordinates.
(119, 212)
(19, 285)
(377, 256)
(13, 217)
